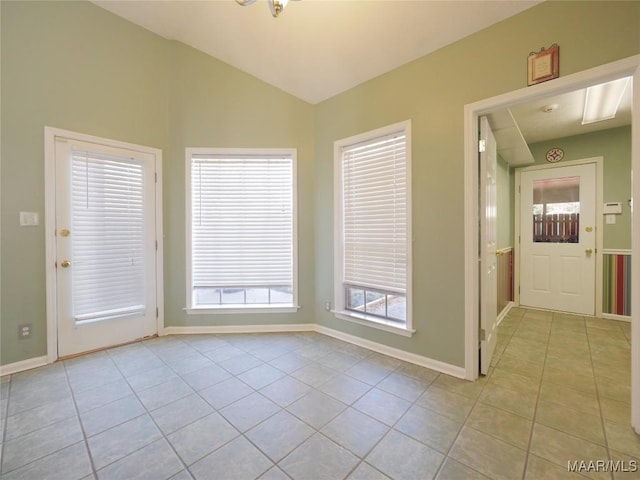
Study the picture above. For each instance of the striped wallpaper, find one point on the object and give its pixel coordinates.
(616, 282)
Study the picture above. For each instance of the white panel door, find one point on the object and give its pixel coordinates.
(558, 238)
(105, 246)
(488, 245)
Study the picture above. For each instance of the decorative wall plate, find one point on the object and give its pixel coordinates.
(555, 155)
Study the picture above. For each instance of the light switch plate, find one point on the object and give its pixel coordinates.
(610, 219)
(29, 219)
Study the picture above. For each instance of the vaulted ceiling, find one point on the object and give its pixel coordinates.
(316, 48)
(319, 48)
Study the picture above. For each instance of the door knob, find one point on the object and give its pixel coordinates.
(65, 263)
(588, 251)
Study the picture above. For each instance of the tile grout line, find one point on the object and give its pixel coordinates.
(535, 410)
(94, 472)
(148, 412)
(5, 416)
(602, 420)
(390, 428)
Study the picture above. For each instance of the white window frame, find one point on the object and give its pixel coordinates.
(340, 310)
(240, 308)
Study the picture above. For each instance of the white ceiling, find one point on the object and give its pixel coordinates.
(316, 48)
(560, 116)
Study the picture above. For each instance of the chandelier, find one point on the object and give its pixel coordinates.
(276, 6)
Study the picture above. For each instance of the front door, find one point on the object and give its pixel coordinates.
(105, 245)
(558, 238)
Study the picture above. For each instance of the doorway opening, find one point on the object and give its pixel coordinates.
(623, 68)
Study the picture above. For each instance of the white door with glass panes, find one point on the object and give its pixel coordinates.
(558, 238)
(105, 245)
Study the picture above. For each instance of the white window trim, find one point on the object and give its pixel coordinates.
(339, 294)
(234, 308)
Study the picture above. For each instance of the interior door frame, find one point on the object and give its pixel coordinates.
(599, 163)
(629, 66)
(50, 134)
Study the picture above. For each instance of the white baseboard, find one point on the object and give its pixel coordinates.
(613, 316)
(505, 312)
(213, 329)
(420, 360)
(17, 367)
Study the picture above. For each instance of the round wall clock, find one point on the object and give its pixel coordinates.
(555, 155)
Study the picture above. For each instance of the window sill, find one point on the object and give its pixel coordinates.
(374, 322)
(224, 309)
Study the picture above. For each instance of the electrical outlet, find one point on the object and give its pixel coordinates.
(24, 331)
(327, 306)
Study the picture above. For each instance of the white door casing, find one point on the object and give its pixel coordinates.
(488, 245)
(558, 266)
(102, 216)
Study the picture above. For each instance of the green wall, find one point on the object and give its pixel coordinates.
(432, 92)
(504, 187)
(212, 104)
(614, 145)
(74, 66)
(71, 66)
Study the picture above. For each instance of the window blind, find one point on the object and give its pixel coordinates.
(241, 221)
(107, 233)
(374, 176)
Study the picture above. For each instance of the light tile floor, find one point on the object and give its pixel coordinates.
(306, 406)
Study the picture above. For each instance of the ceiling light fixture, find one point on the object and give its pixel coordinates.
(276, 6)
(602, 101)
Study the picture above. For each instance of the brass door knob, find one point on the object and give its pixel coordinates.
(588, 251)
(65, 263)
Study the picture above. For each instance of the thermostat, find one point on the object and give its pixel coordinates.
(612, 207)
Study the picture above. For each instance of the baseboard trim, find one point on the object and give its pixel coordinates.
(613, 316)
(442, 367)
(453, 370)
(214, 329)
(23, 365)
(505, 312)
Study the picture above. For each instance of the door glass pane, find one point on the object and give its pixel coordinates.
(556, 210)
(107, 233)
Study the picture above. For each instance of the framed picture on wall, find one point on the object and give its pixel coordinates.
(543, 65)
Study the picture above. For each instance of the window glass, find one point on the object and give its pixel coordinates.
(242, 225)
(556, 210)
(375, 224)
